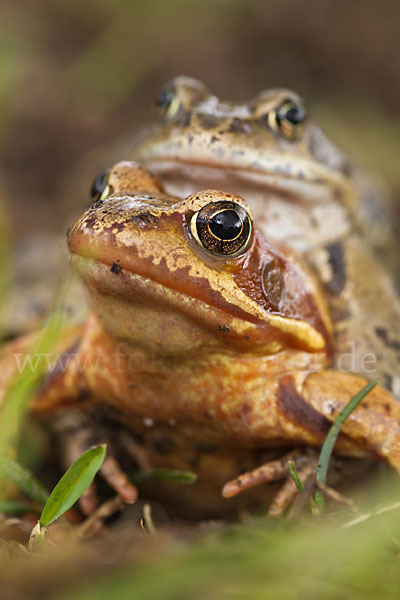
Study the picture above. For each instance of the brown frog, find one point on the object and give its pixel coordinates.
(209, 343)
(304, 192)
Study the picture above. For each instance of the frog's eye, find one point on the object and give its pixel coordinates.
(288, 119)
(178, 97)
(222, 228)
(100, 188)
(168, 101)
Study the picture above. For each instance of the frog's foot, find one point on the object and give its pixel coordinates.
(289, 492)
(305, 463)
(76, 435)
(271, 471)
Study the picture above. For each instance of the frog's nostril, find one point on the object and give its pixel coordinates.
(144, 220)
(240, 126)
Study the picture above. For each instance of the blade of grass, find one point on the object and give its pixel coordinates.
(23, 479)
(295, 476)
(299, 484)
(163, 475)
(13, 507)
(329, 443)
(327, 447)
(25, 382)
(72, 484)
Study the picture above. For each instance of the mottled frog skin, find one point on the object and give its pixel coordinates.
(208, 342)
(304, 192)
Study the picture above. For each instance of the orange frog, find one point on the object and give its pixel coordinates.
(209, 345)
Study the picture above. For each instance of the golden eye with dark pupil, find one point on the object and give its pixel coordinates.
(222, 228)
(99, 188)
(168, 102)
(290, 118)
(291, 112)
(165, 97)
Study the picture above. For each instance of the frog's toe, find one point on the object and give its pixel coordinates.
(88, 500)
(112, 473)
(267, 473)
(118, 480)
(292, 497)
(76, 435)
(287, 494)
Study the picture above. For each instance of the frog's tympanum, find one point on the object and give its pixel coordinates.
(303, 192)
(209, 343)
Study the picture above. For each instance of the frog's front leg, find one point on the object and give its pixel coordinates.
(76, 432)
(373, 427)
(305, 412)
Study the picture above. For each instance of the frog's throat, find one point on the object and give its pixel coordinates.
(98, 276)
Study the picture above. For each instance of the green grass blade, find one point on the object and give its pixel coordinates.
(327, 447)
(163, 475)
(295, 476)
(72, 484)
(23, 479)
(23, 386)
(14, 507)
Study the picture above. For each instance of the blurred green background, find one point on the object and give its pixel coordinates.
(77, 75)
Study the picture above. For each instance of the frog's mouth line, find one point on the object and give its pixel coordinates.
(295, 185)
(121, 283)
